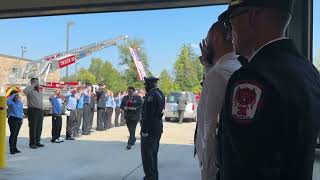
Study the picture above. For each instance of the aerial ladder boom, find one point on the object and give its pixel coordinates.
(41, 68)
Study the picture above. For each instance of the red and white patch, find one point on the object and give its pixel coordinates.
(245, 100)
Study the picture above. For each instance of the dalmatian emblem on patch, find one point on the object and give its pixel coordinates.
(245, 101)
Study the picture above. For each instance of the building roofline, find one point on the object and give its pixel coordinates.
(15, 57)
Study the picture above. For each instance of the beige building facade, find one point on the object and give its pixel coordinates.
(9, 64)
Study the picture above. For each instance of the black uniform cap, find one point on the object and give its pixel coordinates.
(150, 79)
(284, 5)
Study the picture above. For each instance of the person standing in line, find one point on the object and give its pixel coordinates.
(182, 104)
(35, 113)
(56, 101)
(101, 107)
(80, 104)
(109, 110)
(71, 112)
(217, 50)
(151, 128)
(122, 120)
(92, 108)
(131, 104)
(142, 94)
(117, 100)
(15, 112)
(87, 110)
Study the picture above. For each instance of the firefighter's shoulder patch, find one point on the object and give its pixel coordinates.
(246, 97)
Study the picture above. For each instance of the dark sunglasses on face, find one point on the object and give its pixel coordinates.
(227, 22)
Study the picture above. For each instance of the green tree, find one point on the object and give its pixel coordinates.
(112, 78)
(166, 83)
(131, 74)
(186, 75)
(104, 72)
(96, 68)
(86, 76)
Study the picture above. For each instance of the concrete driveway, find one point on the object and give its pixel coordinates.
(101, 155)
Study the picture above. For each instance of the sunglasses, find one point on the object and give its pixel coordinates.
(227, 22)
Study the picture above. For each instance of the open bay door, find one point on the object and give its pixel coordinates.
(300, 28)
(19, 8)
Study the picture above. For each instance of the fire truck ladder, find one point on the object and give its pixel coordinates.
(41, 68)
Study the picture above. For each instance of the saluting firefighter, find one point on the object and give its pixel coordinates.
(117, 100)
(15, 120)
(92, 108)
(132, 105)
(101, 106)
(271, 115)
(71, 112)
(110, 105)
(35, 113)
(151, 128)
(56, 101)
(80, 105)
(87, 110)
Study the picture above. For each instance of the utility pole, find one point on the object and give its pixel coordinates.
(68, 26)
(23, 50)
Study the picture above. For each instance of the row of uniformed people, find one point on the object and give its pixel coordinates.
(106, 104)
(79, 106)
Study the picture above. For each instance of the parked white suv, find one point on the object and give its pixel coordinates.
(171, 108)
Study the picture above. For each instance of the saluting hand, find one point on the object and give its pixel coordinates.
(204, 52)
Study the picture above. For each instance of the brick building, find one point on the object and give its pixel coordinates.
(12, 63)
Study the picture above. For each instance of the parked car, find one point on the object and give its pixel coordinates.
(171, 108)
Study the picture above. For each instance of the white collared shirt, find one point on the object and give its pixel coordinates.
(215, 86)
(256, 52)
(210, 105)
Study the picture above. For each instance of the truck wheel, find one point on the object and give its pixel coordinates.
(167, 119)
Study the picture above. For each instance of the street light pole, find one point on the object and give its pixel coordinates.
(23, 50)
(68, 26)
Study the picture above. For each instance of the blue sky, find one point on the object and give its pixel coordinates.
(164, 32)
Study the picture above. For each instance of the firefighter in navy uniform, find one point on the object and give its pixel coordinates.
(270, 119)
(151, 128)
